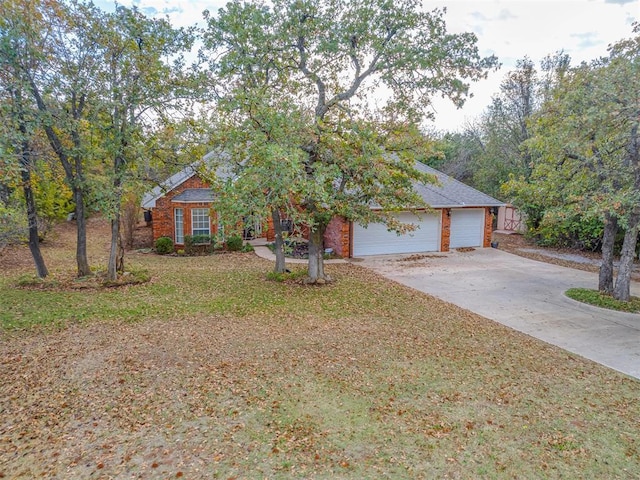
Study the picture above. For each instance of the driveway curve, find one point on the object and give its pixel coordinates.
(525, 295)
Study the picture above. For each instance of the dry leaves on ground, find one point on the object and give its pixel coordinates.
(212, 371)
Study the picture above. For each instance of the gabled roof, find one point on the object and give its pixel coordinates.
(451, 193)
(175, 180)
(447, 193)
(149, 199)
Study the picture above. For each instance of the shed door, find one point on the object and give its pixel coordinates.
(377, 240)
(467, 227)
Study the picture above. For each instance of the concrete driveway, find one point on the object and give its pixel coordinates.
(525, 295)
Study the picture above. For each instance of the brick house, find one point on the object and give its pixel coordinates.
(460, 216)
(181, 205)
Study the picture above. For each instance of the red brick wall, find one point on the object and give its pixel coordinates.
(271, 232)
(163, 223)
(445, 232)
(337, 236)
(488, 227)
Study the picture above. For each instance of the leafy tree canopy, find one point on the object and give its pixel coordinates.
(354, 78)
(587, 145)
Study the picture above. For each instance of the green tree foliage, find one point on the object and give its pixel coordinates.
(267, 177)
(505, 129)
(50, 54)
(491, 149)
(324, 63)
(135, 85)
(17, 132)
(457, 154)
(587, 140)
(54, 199)
(100, 86)
(13, 224)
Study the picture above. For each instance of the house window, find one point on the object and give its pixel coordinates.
(178, 216)
(200, 224)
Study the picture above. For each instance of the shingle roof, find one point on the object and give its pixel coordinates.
(451, 193)
(149, 198)
(447, 193)
(198, 195)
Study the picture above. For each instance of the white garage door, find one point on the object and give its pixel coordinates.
(377, 240)
(467, 227)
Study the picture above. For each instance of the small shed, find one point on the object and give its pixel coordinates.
(510, 220)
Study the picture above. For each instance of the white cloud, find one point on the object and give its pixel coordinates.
(505, 14)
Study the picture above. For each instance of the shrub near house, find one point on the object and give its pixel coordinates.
(164, 245)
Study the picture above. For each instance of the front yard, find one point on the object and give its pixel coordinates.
(210, 371)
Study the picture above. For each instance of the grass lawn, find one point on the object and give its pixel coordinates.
(599, 299)
(210, 371)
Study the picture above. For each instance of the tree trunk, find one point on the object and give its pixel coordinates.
(316, 258)
(116, 254)
(25, 174)
(120, 128)
(5, 192)
(32, 217)
(605, 279)
(73, 173)
(280, 266)
(120, 255)
(116, 263)
(81, 227)
(622, 290)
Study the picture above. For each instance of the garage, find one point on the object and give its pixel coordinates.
(375, 239)
(467, 227)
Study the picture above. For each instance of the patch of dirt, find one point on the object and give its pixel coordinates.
(11, 258)
(565, 257)
(63, 237)
(142, 237)
(18, 257)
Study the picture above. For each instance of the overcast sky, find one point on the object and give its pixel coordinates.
(509, 29)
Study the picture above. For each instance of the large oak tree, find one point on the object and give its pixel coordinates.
(359, 75)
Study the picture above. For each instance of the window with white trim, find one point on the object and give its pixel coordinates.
(200, 224)
(178, 216)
